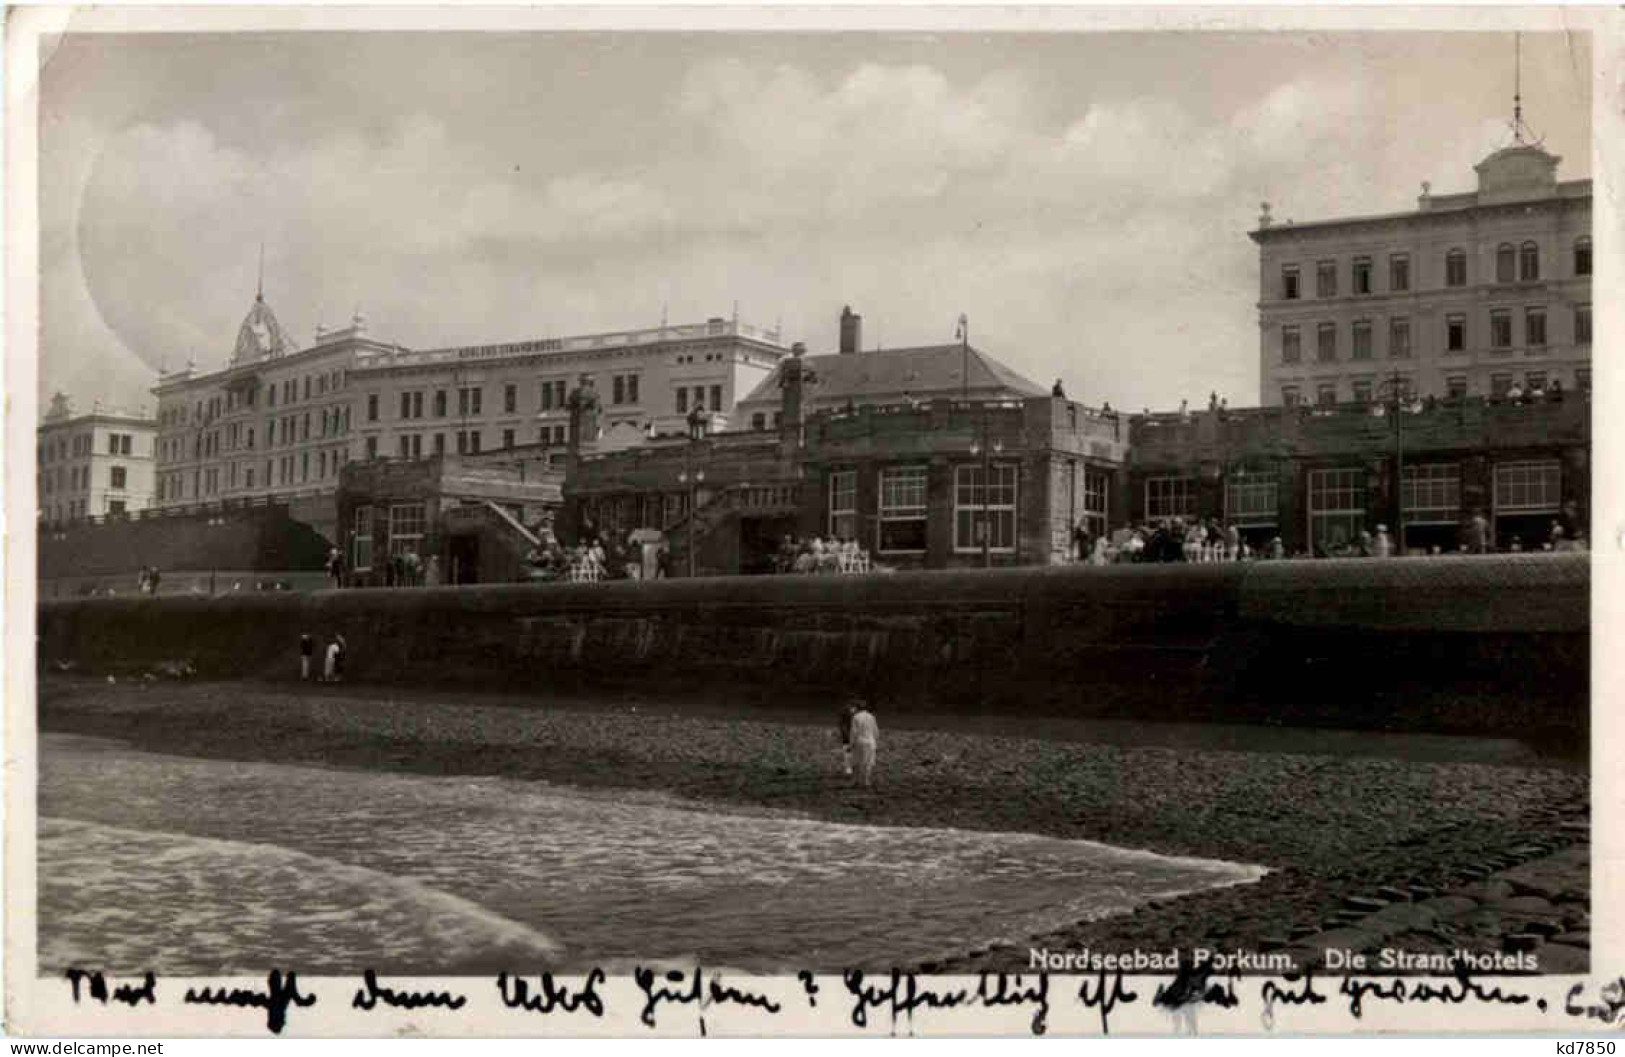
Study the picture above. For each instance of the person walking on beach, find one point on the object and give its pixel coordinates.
(848, 710)
(307, 648)
(865, 742)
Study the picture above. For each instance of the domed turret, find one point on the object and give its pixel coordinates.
(261, 337)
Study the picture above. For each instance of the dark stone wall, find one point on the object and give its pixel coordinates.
(1470, 645)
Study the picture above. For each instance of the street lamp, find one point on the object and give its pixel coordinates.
(697, 422)
(1397, 405)
(987, 450)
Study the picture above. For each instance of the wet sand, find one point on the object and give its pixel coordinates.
(1332, 814)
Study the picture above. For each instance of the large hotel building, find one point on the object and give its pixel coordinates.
(280, 421)
(1467, 294)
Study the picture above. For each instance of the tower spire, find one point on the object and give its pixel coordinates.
(1517, 87)
(259, 286)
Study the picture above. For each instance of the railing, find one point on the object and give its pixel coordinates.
(578, 343)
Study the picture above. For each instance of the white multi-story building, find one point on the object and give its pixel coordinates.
(1469, 293)
(280, 421)
(93, 464)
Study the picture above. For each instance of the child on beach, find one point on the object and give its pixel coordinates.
(865, 741)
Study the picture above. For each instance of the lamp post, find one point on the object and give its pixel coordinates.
(986, 448)
(693, 478)
(1397, 407)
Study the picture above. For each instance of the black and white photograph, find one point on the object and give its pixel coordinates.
(998, 509)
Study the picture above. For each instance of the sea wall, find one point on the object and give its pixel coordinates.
(1489, 645)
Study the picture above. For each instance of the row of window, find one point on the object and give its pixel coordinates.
(300, 468)
(984, 508)
(466, 441)
(698, 398)
(406, 523)
(1502, 384)
(1430, 493)
(79, 478)
(1513, 264)
(1455, 336)
(83, 444)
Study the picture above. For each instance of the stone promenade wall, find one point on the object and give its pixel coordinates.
(1491, 645)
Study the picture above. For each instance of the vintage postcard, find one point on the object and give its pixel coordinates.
(813, 522)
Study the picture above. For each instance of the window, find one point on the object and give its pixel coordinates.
(1500, 384)
(406, 405)
(1362, 275)
(1501, 328)
(1251, 500)
(843, 504)
(112, 444)
(361, 539)
(618, 389)
(1531, 487)
(1582, 324)
(1582, 379)
(1291, 345)
(985, 510)
(116, 476)
(1534, 327)
(1327, 338)
(115, 506)
(1326, 279)
(1362, 339)
(304, 464)
(1399, 272)
(1337, 507)
(406, 447)
(372, 407)
(1399, 338)
(406, 521)
(510, 398)
(1362, 391)
(1455, 268)
(468, 401)
(1289, 283)
(372, 447)
(440, 403)
(716, 398)
(1326, 394)
(1455, 386)
(473, 442)
(1529, 262)
(270, 396)
(1290, 395)
(1455, 333)
(902, 508)
(307, 387)
(507, 438)
(1506, 263)
(631, 388)
(682, 400)
(1430, 494)
(758, 421)
(1582, 256)
(1168, 497)
(440, 444)
(1096, 487)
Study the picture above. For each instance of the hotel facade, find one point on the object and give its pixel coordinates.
(280, 422)
(1468, 294)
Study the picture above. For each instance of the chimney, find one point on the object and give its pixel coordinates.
(793, 378)
(851, 331)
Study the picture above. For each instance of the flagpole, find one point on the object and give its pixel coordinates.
(964, 358)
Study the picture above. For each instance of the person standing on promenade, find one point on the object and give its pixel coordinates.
(330, 664)
(865, 743)
(1384, 543)
(848, 710)
(344, 650)
(307, 648)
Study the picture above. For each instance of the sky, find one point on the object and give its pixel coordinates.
(1083, 198)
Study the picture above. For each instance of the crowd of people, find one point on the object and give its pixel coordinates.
(597, 558)
(1212, 540)
(818, 555)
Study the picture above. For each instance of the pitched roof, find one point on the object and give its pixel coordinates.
(923, 372)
